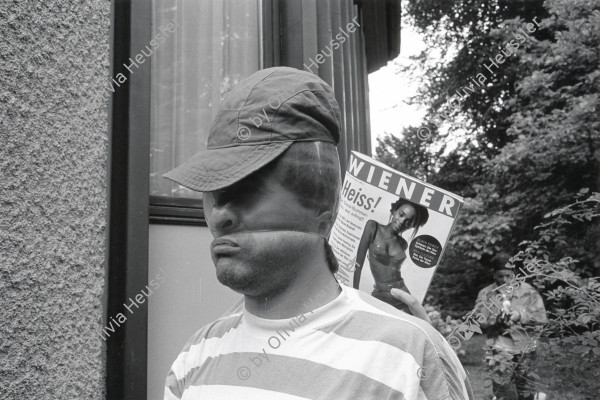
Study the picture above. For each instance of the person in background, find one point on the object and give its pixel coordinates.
(509, 313)
(386, 249)
(271, 193)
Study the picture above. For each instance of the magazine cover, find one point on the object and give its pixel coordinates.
(391, 229)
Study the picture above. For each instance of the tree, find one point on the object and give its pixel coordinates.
(522, 142)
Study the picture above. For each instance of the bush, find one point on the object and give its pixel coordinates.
(568, 350)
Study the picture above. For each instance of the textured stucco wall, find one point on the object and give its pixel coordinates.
(54, 59)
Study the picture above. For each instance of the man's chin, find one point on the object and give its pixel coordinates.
(236, 277)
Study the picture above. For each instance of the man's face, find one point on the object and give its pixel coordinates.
(260, 230)
(502, 276)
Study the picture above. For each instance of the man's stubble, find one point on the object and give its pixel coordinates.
(267, 263)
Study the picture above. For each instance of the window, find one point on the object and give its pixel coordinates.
(207, 48)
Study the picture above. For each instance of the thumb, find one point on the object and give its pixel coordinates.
(401, 295)
(411, 301)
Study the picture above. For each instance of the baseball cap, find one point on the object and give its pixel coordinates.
(258, 121)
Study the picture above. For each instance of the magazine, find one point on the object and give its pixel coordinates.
(391, 228)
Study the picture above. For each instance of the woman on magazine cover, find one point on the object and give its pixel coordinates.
(386, 249)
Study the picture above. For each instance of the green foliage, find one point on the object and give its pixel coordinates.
(445, 326)
(464, 33)
(568, 345)
(519, 149)
(408, 153)
(570, 341)
(554, 132)
(522, 144)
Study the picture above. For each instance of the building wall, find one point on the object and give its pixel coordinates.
(326, 38)
(54, 66)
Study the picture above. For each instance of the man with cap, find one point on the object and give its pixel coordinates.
(271, 180)
(509, 310)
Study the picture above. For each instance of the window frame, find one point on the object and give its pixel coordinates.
(127, 222)
(187, 211)
(130, 207)
(176, 210)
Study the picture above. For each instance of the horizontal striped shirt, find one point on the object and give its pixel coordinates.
(355, 347)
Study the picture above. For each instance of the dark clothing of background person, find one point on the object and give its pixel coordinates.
(508, 312)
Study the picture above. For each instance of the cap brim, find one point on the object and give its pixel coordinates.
(216, 169)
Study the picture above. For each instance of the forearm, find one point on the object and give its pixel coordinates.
(361, 254)
(357, 272)
(532, 317)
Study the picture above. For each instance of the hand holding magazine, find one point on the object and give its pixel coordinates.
(391, 230)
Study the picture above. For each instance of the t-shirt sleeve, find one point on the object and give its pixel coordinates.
(175, 382)
(442, 376)
(173, 388)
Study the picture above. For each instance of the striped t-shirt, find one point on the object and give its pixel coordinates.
(355, 347)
